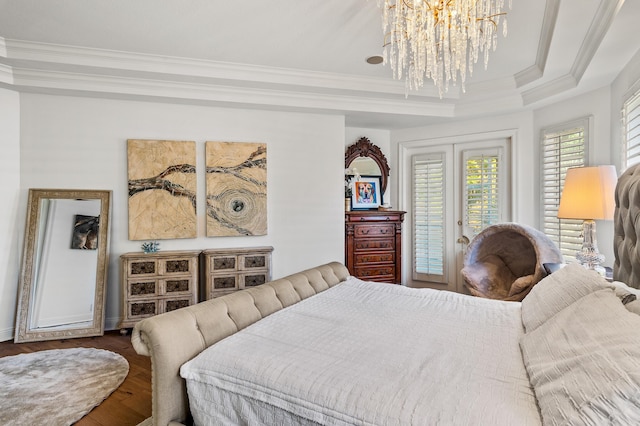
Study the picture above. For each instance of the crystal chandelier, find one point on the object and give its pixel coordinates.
(438, 39)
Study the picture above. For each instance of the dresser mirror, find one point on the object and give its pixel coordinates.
(64, 265)
(368, 160)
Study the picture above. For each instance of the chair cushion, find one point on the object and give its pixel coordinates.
(491, 276)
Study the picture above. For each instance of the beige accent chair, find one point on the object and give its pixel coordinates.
(505, 261)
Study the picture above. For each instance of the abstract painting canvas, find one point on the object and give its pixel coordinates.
(162, 189)
(236, 180)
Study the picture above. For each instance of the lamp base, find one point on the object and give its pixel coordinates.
(590, 257)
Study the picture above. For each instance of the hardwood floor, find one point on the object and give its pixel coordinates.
(126, 406)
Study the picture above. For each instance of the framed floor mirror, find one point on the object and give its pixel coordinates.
(64, 265)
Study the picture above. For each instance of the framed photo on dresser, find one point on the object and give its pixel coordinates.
(365, 193)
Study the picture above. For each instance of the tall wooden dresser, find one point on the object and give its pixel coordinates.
(373, 245)
(159, 282)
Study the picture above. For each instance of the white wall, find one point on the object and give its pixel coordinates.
(80, 143)
(9, 193)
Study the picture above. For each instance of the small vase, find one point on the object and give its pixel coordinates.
(347, 204)
(150, 247)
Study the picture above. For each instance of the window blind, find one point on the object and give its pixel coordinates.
(631, 130)
(561, 150)
(428, 217)
(481, 192)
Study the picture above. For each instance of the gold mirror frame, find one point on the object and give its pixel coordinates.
(364, 148)
(28, 272)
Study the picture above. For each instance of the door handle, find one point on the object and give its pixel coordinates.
(463, 240)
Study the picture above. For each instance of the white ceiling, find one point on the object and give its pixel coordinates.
(301, 55)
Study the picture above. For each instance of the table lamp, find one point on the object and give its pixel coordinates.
(588, 194)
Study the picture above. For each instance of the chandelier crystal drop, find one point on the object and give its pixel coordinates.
(438, 39)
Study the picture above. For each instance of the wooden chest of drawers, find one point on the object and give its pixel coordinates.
(373, 245)
(227, 270)
(154, 283)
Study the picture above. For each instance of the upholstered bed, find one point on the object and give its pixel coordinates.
(323, 348)
(173, 338)
(378, 354)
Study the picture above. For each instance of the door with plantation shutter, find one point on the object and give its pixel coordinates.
(457, 191)
(429, 222)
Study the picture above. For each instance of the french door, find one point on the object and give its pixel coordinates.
(452, 192)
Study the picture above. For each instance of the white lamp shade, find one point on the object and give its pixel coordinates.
(588, 193)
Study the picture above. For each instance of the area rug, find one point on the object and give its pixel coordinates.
(146, 422)
(57, 387)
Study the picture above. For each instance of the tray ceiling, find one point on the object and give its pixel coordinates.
(288, 55)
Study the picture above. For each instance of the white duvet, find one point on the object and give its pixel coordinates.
(369, 354)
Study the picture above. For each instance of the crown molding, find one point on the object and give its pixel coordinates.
(73, 58)
(597, 30)
(600, 24)
(528, 75)
(47, 68)
(6, 74)
(549, 89)
(536, 71)
(34, 80)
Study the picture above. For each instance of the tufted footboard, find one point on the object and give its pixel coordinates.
(173, 338)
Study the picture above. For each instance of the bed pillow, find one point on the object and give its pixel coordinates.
(557, 291)
(584, 363)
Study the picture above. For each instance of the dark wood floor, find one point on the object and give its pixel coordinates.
(126, 406)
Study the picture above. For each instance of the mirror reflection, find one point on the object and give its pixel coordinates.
(64, 265)
(365, 166)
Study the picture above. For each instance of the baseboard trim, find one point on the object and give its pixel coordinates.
(6, 334)
(110, 324)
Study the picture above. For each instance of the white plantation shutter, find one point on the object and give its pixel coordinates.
(561, 150)
(428, 217)
(481, 192)
(631, 131)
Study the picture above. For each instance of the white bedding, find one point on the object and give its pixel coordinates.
(369, 354)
